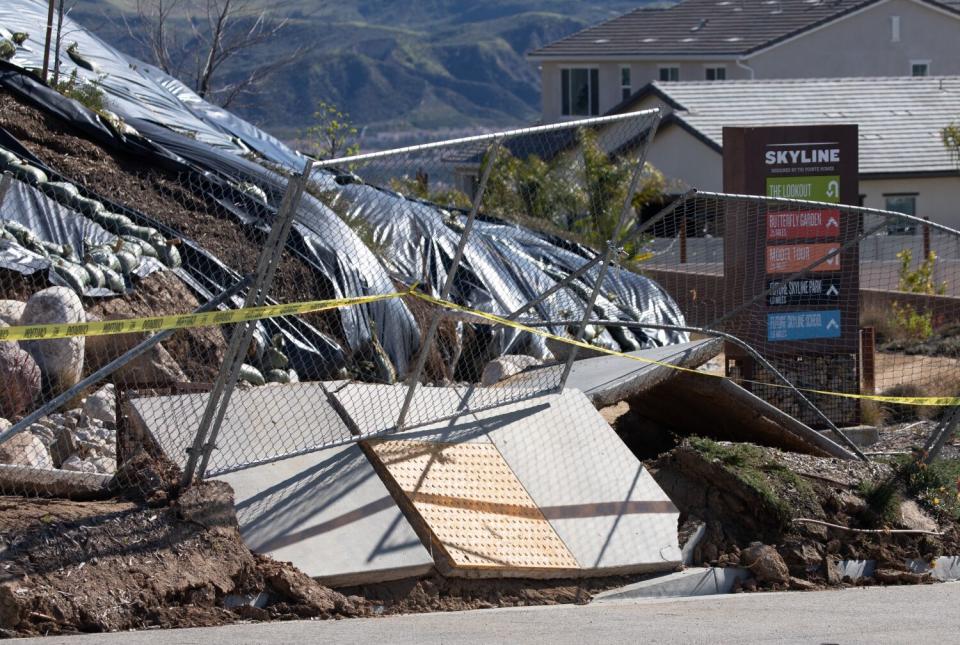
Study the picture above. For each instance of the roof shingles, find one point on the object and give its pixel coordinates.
(705, 27)
(899, 118)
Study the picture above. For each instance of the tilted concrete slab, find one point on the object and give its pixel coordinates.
(596, 494)
(607, 380)
(700, 581)
(261, 422)
(329, 513)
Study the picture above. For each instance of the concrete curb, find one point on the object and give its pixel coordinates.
(700, 581)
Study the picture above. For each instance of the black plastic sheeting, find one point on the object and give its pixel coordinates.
(311, 353)
(138, 90)
(504, 266)
(50, 221)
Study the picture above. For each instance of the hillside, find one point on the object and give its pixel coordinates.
(396, 65)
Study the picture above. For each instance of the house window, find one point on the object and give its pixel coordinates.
(625, 85)
(905, 203)
(669, 73)
(919, 68)
(716, 73)
(894, 29)
(580, 94)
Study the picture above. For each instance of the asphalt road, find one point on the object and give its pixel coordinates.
(924, 614)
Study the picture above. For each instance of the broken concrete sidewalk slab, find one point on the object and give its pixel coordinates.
(260, 423)
(861, 436)
(609, 379)
(330, 514)
(700, 581)
(593, 493)
(729, 412)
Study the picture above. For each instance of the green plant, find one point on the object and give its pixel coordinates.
(882, 502)
(582, 193)
(910, 321)
(950, 135)
(419, 188)
(89, 93)
(333, 135)
(936, 486)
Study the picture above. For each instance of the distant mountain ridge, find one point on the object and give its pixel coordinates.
(398, 65)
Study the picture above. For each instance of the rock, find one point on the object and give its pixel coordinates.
(799, 584)
(209, 504)
(505, 367)
(24, 449)
(20, 378)
(914, 517)
(153, 368)
(11, 311)
(61, 360)
(74, 464)
(801, 557)
(297, 588)
(893, 577)
(831, 570)
(750, 584)
(63, 447)
(102, 405)
(765, 563)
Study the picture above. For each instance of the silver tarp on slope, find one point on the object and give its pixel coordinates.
(504, 267)
(53, 222)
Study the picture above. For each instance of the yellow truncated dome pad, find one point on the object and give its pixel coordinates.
(474, 505)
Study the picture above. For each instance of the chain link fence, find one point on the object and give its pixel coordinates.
(842, 303)
(507, 224)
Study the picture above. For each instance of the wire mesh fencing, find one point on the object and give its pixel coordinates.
(842, 303)
(511, 224)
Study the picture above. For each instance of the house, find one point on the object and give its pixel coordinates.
(904, 165)
(589, 72)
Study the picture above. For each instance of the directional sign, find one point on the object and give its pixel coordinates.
(791, 258)
(808, 291)
(803, 224)
(803, 325)
(818, 188)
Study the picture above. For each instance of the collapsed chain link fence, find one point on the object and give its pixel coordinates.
(837, 300)
(506, 224)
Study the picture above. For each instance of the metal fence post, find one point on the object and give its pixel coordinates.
(492, 154)
(240, 338)
(610, 252)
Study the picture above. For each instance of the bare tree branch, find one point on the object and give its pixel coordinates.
(194, 40)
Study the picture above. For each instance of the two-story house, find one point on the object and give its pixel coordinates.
(590, 72)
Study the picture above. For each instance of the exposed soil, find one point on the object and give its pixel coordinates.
(112, 565)
(436, 593)
(745, 493)
(127, 180)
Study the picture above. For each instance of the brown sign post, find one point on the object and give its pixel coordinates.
(807, 325)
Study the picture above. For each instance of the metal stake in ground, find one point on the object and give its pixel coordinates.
(492, 153)
(611, 250)
(240, 339)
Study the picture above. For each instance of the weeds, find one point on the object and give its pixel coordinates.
(88, 93)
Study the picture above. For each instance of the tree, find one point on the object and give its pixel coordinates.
(951, 139)
(332, 135)
(193, 40)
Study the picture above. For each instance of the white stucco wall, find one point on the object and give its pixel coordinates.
(857, 45)
(641, 73)
(937, 197)
(860, 45)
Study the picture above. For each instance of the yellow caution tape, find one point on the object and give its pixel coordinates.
(207, 319)
(185, 321)
(934, 401)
